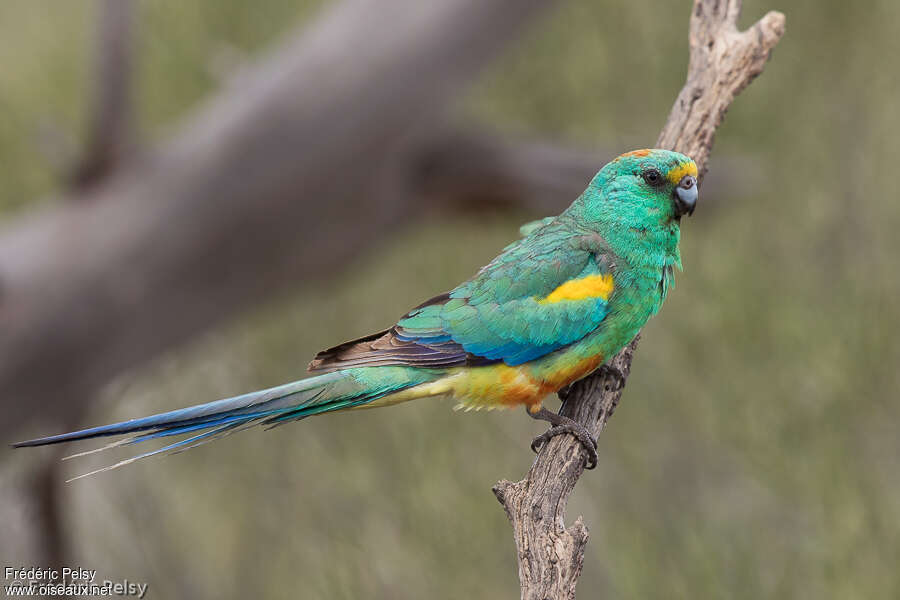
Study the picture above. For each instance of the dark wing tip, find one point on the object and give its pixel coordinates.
(387, 349)
(329, 359)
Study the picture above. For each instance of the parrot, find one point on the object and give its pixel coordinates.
(550, 309)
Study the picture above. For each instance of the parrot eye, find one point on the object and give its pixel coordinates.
(652, 177)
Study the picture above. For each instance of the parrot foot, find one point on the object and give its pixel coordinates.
(563, 425)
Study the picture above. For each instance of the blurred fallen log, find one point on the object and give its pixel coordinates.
(283, 178)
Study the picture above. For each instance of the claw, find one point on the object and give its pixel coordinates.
(563, 425)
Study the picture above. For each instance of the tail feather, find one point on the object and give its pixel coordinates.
(181, 445)
(325, 393)
(247, 406)
(308, 411)
(263, 401)
(274, 406)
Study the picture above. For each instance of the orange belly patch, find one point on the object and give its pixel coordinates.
(502, 386)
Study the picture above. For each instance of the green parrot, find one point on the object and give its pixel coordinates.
(549, 310)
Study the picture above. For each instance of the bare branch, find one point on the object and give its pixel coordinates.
(110, 117)
(722, 62)
(281, 179)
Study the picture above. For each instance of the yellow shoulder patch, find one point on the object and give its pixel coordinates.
(592, 286)
(676, 173)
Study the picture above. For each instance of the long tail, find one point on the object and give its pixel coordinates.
(338, 390)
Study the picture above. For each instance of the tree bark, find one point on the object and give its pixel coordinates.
(723, 61)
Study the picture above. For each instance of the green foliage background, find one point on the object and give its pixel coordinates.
(755, 452)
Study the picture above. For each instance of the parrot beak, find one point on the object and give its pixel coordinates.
(686, 196)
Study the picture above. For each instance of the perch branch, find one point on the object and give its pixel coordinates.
(723, 61)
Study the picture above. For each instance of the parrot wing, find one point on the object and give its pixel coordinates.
(543, 292)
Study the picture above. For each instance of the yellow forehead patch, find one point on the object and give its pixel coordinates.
(592, 286)
(676, 173)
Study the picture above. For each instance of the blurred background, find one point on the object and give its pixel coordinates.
(756, 451)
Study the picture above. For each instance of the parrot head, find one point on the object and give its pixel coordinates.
(644, 187)
(636, 203)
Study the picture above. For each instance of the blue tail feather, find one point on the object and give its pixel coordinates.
(174, 447)
(197, 426)
(243, 408)
(274, 406)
